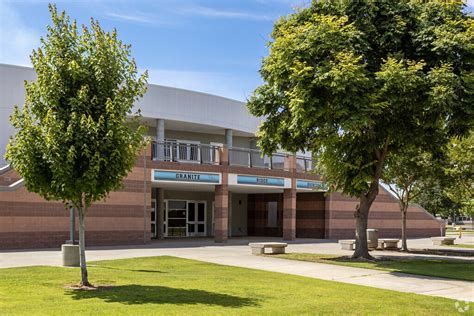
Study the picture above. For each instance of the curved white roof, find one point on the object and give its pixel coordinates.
(197, 107)
(168, 103)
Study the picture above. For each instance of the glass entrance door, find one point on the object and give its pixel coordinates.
(176, 219)
(196, 218)
(185, 218)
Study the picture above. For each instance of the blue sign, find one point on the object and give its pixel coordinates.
(182, 176)
(255, 180)
(312, 185)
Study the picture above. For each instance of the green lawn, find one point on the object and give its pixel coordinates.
(466, 232)
(461, 245)
(453, 269)
(171, 286)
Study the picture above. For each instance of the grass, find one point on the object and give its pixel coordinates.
(172, 286)
(467, 232)
(452, 269)
(464, 233)
(461, 245)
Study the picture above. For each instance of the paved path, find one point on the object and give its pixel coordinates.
(237, 254)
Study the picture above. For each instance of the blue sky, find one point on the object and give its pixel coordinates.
(209, 46)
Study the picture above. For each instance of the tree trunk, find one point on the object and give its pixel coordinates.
(82, 247)
(404, 228)
(365, 202)
(362, 215)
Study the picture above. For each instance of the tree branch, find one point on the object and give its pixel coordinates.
(394, 191)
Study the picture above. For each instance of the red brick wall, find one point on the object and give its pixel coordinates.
(258, 215)
(384, 215)
(28, 221)
(310, 215)
(9, 177)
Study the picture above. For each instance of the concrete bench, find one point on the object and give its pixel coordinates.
(258, 248)
(439, 241)
(388, 243)
(347, 244)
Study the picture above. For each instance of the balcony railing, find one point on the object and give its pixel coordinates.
(186, 152)
(253, 158)
(210, 154)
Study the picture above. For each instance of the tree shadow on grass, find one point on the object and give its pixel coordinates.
(414, 267)
(152, 294)
(131, 270)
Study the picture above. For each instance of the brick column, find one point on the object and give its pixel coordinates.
(289, 212)
(229, 222)
(224, 156)
(221, 211)
(289, 163)
(327, 217)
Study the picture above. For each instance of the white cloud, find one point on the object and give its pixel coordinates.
(141, 18)
(215, 13)
(221, 84)
(171, 15)
(16, 39)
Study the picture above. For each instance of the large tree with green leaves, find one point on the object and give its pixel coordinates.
(354, 81)
(74, 142)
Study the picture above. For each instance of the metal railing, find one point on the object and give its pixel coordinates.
(186, 152)
(210, 154)
(304, 164)
(252, 158)
(5, 169)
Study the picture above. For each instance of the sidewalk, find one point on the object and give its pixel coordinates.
(238, 254)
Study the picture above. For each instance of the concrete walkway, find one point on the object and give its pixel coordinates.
(237, 253)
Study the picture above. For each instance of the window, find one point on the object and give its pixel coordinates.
(201, 212)
(272, 220)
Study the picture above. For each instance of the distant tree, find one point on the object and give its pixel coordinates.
(451, 193)
(73, 141)
(433, 198)
(460, 172)
(355, 81)
(406, 174)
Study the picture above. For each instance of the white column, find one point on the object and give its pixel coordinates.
(160, 130)
(228, 138)
(160, 138)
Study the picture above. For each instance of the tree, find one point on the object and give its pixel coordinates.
(73, 140)
(460, 172)
(354, 81)
(404, 174)
(433, 197)
(451, 193)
